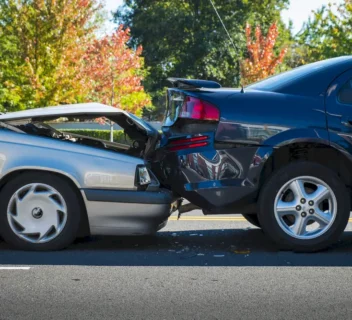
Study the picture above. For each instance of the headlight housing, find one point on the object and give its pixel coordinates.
(142, 176)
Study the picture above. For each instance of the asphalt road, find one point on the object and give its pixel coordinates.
(196, 268)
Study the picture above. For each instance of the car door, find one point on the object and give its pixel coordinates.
(339, 111)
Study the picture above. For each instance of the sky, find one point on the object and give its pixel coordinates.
(298, 12)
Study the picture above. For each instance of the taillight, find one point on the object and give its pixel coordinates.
(194, 108)
(188, 143)
(188, 140)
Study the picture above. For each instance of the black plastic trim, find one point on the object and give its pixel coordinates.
(126, 196)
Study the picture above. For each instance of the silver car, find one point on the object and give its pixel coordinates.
(55, 186)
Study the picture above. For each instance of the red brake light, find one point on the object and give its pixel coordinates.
(188, 143)
(194, 108)
(188, 140)
(189, 146)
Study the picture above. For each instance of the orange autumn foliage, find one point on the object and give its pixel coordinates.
(262, 61)
(54, 36)
(112, 73)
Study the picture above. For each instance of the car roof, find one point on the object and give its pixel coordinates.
(311, 79)
(62, 111)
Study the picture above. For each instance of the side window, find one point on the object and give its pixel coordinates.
(345, 94)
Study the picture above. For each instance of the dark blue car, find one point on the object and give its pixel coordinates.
(278, 151)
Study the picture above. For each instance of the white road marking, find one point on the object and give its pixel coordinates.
(14, 268)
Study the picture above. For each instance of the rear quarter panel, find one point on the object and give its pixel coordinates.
(254, 123)
(254, 117)
(259, 122)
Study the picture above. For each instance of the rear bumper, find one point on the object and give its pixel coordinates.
(120, 212)
(218, 181)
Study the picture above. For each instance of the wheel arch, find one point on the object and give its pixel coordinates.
(84, 225)
(315, 151)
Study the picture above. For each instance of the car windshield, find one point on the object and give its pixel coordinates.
(278, 81)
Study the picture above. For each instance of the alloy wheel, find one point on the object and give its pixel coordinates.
(305, 207)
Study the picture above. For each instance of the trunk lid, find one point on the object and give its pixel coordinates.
(208, 92)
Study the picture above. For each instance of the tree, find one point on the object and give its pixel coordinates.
(262, 61)
(328, 34)
(41, 44)
(112, 73)
(184, 38)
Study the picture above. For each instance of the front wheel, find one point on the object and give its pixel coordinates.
(39, 211)
(304, 206)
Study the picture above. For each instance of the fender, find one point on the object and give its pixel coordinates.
(86, 166)
(71, 177)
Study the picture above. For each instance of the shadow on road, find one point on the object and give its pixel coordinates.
(233, 248)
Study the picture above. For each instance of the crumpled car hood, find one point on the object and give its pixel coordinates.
(131, 124)
(71, 110)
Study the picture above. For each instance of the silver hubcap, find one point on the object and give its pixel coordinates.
(37, 213)
(305, 207)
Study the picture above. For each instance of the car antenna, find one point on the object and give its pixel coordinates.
(223, 24)
(228, 34)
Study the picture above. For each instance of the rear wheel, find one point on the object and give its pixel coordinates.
(252, 218)
(304, 207)
(39, 211)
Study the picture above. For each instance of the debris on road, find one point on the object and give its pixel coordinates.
(242, 251)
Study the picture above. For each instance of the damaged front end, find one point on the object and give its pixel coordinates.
(140, 139)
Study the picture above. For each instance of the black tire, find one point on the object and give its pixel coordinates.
(69, 194)
(270, 190)
(253, 219)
